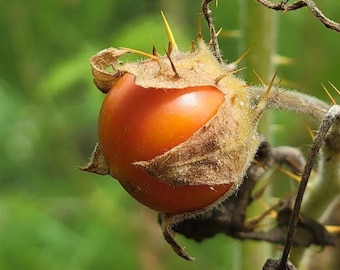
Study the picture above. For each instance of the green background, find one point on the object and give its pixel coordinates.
(55, 217)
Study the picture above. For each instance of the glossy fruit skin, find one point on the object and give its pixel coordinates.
(137, 123)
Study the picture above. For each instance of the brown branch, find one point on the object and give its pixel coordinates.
(207, 15)
(321, 17)
(331, 116)
(283, 6)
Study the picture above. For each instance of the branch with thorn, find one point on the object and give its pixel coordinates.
(213, 34)
(283, 6)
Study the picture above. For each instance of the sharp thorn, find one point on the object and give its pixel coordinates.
(154, 57)
(259, 78)
(262, 104)
(334, 87)
(172, 42)
(328, 94)
(172, 65)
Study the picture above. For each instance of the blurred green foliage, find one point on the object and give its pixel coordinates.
(55, 217)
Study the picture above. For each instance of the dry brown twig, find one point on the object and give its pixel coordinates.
(207, 15)
(283, 6)
(330, 118)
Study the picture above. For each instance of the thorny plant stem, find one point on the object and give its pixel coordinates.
(263, 35)
(324, 190)
(331, 116)
(316, 204)
(283, 6)
(207, 15)
(289, 100)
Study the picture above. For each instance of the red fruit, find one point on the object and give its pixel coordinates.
(137, 123)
